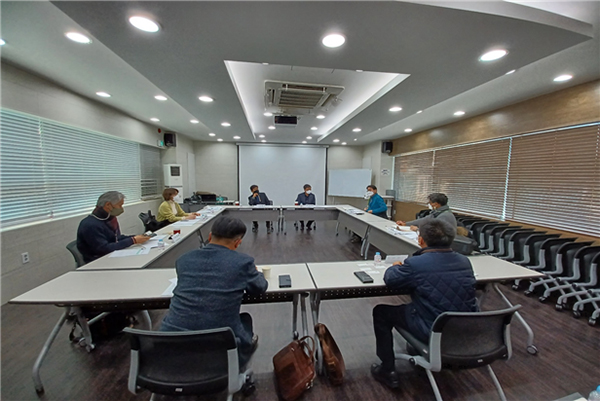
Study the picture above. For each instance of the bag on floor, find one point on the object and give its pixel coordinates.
(294, 368)
(333, 361)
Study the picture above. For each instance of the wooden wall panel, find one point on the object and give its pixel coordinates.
(575, 105)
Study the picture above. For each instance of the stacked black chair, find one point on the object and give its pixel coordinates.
(530, 250)
(591, 295)
(516, 244)
(504, 240)
(484, 240)
(583, 277)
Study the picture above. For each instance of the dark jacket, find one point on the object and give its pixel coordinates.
(210, 286)
(438, 280)
(99, 234)
(302, 199)
(261, 199)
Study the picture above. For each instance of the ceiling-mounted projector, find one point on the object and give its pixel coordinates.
(286, 120)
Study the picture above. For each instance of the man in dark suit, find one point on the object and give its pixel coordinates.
(259, 198)
(437, 279)
(211, 282)
(306, 198)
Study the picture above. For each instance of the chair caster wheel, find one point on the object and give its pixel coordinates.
(248, 387)
(576, 314)
(528, 293)
(532, 349)
(560, 307)
(542, 299)
(592, 322)
(515, 287)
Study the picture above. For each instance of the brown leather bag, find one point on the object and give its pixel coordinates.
(333, 361)
(295, 368)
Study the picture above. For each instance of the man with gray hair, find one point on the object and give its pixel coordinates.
(99, 233)
(438, 204)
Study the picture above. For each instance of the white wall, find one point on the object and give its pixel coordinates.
(217, 168)
(45, 241)
(378, 162)
(344, 157)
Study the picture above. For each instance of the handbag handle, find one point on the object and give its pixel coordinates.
(305, 345)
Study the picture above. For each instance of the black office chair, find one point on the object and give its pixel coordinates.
(463, 340)
(72, 247)
(186, 363)
(150, 222)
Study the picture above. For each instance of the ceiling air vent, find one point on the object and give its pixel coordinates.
(297, 98)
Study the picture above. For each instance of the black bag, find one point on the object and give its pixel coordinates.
(464, 245)
(150, 222)
(104, 329)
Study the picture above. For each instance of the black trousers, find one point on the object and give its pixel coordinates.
(245, 351)
(385, 317)
(308, 225)
(255, 224)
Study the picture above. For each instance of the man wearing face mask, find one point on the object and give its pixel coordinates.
(259, 198)
(438, 204)
(376, 205)
(306, 198)
(99, 233)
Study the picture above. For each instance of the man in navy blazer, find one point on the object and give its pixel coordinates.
(438, 280)
(211, 283)
(306, 198)
(259, 198)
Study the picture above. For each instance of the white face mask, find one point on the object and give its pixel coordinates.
(308, 192)
(429, 206)
(368, 194)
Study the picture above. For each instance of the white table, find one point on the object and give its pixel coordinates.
(394, 242)
(141, 289)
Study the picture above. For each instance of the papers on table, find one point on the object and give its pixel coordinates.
(391, 259)
(131, 251)
(185, 223)
(212, 210)
(153, 242)
(402, 233)
(171, 287)
(372, 268)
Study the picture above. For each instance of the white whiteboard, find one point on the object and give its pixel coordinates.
(352, 182)
(282, 171)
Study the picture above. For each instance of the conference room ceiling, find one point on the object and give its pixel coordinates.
(417, 56)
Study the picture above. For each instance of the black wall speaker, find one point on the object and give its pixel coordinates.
(386, 147)
(170, 140)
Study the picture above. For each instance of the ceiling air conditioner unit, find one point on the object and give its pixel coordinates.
(293, 99)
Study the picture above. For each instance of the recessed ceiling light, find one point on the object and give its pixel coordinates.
(225, 124)
(395, 109)
(336, 140)
(320, 116)
(356, 130)
(333, 40)
(493, 55)
(267, 114)
(79, 38)
(303, 141)
(459, 113)
(356, 139)
(309, 137)
(220, 139)
(207, 99)
(144, 24)
(264, 140)
(563, 78)
(360, 70)
(212, 134)
(408, 130)
(154, 119)
(419, 112)
(194, 121)
(510, 72)
(237, 137)
(160, 97)
(103, 94)
(344, 143)
(271, 127)
(313, 128)
(2, 42)
(261, 136)
(265, 63)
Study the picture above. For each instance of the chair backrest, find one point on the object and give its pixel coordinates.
(587, 269)
(149, 221)
(72, 247)
(183, 362)
(464, 340)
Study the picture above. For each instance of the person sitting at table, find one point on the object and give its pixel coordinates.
(437, 279)
(99, 234)
(259, 198)
(376, 204)
(169, 211)
(306, 198)
(211, 283)
(438, 204)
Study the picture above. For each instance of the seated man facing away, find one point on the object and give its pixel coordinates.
(438, 204)
(99, 233)
(258, 198)
(211, 282)
(169, 211)
(306, 198)
(437, 279)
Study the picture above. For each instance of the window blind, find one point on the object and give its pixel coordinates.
(412, 176)
(150, 170)
(473, 176)
(554, 180)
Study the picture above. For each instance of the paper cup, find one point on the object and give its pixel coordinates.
(237, 203)
(266, 270)
(176, 231)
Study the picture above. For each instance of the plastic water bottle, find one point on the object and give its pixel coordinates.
(594, 395)
(377, 258)
(161, 243)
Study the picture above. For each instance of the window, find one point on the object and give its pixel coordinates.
(50, 169)
(549, 178)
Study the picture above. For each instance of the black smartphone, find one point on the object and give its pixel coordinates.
(285, 281)
(363, 277)
(150, 234)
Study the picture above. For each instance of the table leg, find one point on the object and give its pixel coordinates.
(144, 318)
(304, 314)
(39, 387)
(337, 226)
(295, 315)
(85, 328)
(200, 238)
(315, 302)
(532, 349)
